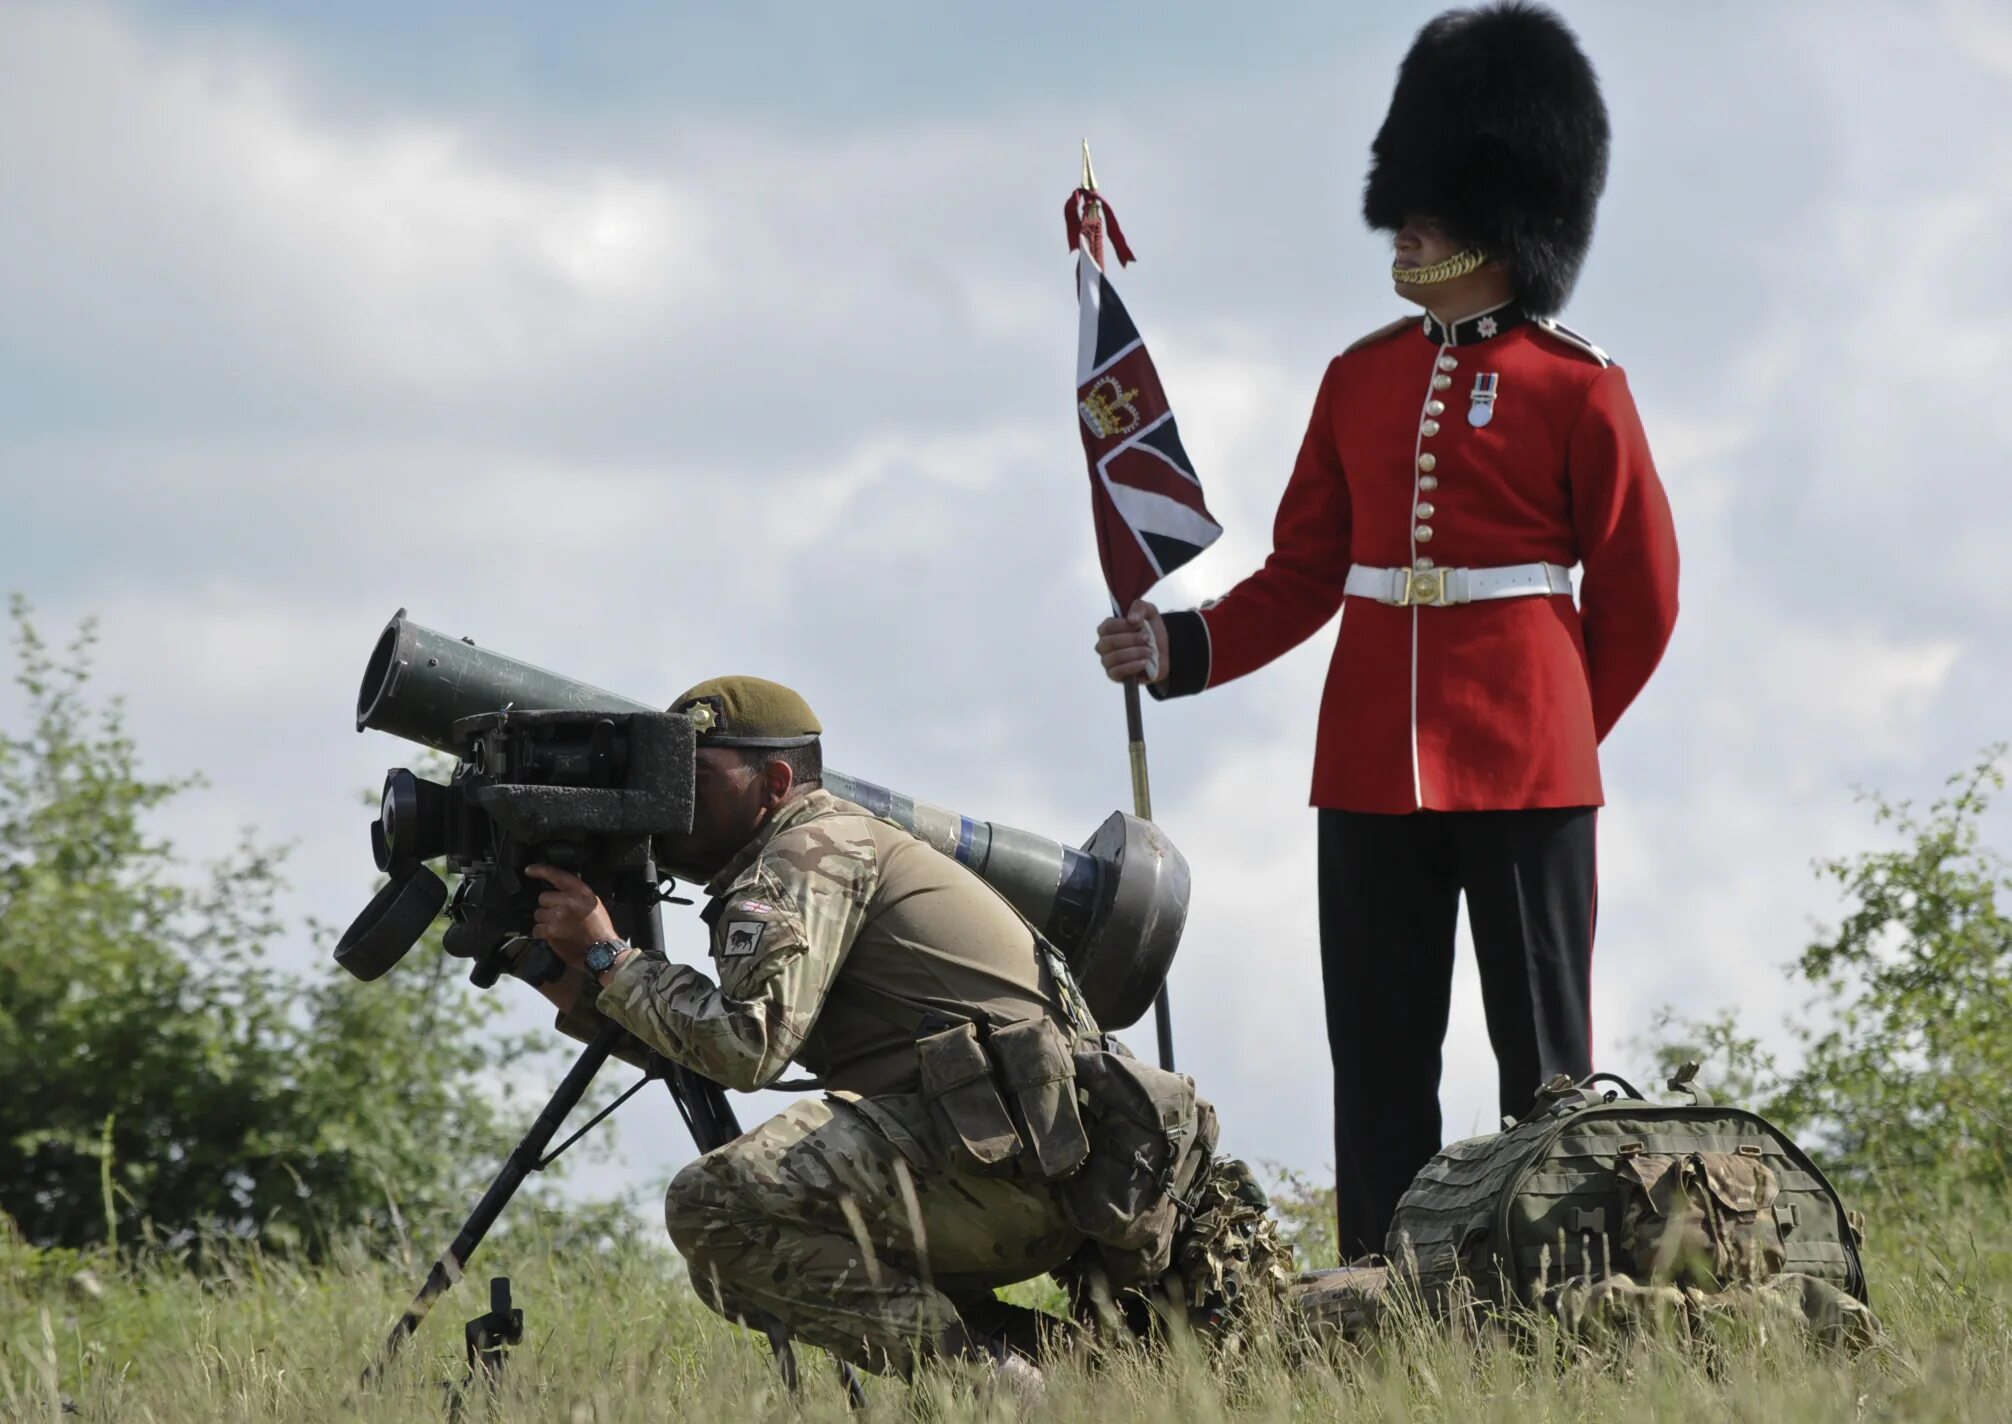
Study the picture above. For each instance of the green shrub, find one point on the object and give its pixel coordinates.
(1904, 1085)
(163, 1078)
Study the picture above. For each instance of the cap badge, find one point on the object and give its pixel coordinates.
(1481, 404)
(703, 717)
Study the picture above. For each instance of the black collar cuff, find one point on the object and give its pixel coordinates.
(1482, 326)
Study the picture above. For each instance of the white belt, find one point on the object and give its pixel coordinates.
(1440, 588)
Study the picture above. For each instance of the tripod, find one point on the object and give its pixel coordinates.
(702, 1103)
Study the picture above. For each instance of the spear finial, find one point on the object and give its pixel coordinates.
(1089, 218)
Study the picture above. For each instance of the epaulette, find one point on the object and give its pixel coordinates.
(1572, 338)
(1381, 333)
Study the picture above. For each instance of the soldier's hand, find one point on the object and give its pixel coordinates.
(571, 917)
(1134, 648)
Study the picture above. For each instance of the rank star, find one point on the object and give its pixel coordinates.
(1486, 326)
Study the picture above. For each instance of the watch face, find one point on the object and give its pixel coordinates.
(601, 958)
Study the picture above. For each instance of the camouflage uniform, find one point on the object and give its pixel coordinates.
(839, 1217)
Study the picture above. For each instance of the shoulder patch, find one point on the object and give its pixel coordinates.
(1573, 339)
(1382, 333)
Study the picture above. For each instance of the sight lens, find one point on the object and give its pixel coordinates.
(411, 820)
(399, 812)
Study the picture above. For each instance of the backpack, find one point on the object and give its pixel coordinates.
(1595, 1183)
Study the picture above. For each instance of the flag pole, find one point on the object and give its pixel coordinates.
(1135, 722)
(1142, 807)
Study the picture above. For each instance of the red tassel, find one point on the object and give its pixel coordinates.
(1074, 217)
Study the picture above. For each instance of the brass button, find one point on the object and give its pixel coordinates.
(1423, 533)
(1440, 383)
(1421, 564)
(1435, 407)
(1428, 482)
(1426, 510)
(1431, 427)
(1427, 460)
(1447, 363)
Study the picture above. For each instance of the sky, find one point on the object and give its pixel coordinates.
(654, 342)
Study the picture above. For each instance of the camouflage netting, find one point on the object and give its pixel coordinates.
(1354, 1303)
(1229, 1267)
(1347, 1302)
(1823, 1315)
(1228, 1254)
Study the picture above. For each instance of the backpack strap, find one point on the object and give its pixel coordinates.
(1685, 1080)
(1616, 1079)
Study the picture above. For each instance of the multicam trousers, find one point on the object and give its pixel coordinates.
(817, 1219)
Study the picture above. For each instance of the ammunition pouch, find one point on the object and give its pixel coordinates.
(965, 1108)
(1039, 1075)
(1703, 1219)
(1004, 1103)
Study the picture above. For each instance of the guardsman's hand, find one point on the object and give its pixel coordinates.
(571, 917)
(1134, 648)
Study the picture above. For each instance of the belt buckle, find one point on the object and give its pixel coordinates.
(1425, 586)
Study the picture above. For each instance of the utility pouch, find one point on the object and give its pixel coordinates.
(1142, 1125)
(964, 1103)
(1702, 1219)
(1039, 1076)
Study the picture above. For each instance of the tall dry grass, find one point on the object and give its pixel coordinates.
(617, 1335)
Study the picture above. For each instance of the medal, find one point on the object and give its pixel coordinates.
(1481, 407)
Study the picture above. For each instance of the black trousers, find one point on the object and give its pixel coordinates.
(1390, 889)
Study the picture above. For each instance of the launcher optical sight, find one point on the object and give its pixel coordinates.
(553, 770)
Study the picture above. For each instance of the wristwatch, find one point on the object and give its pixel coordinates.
(601, 956)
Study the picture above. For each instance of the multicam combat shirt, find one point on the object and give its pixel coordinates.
(825, 911)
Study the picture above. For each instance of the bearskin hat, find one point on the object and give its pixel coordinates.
(1498, 130)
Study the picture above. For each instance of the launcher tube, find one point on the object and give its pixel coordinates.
(419, 682)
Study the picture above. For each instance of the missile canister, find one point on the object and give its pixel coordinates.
(1115, 908)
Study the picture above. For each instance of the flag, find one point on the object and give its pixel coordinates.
(1144, 494)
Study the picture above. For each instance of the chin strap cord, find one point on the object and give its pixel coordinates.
(1458, 265)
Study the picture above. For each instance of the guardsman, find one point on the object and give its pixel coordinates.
(1457, 468)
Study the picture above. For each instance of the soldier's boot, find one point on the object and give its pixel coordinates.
(1010, 1369)
(1034, 1334)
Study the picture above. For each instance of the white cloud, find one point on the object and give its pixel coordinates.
(795, 400)
(395, 250)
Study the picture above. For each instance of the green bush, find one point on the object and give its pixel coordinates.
(1904, 1086)
(164, 1080)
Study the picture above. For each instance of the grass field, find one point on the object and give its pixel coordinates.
(614, 1337)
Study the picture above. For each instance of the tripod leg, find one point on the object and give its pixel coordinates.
(524, 1159)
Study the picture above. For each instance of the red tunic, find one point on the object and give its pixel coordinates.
(1484, 706)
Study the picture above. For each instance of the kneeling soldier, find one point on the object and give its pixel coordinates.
(946, 1155)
